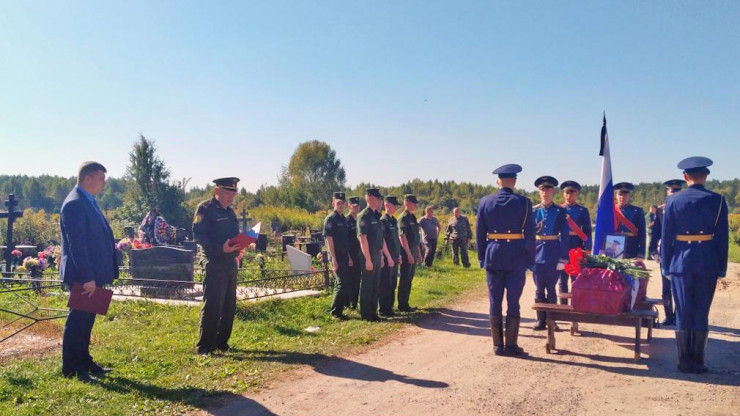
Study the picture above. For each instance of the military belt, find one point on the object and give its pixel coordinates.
(694, 237)
(572, 233)
(504, 236)
(547, 237)
(628, 234)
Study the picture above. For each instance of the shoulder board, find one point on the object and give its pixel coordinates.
(536, 206)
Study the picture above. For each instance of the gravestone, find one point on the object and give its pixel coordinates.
(158, 265)
(261, 242)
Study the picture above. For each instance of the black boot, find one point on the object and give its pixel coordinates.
(670, 317)
(497, 333)
(540, 325)
(512, 336)
(698, 344)
(684, 351)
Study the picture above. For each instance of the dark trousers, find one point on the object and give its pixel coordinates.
(219, 304)
(341, 290)
(404, 283)
(387, 289)
(430, 248)
(510, 281)
(693, 294)
(563, 283)
(76, 341)
(667, 296)
(354, 274)
(460, 245)
(545, 278)
(369, 290)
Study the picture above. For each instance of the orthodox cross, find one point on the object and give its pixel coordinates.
(11, 215)
(245, 220)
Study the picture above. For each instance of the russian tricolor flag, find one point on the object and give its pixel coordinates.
(605, 207)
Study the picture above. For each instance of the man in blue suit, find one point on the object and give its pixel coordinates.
(505, 242)
(579, 222)
(89, 259)
(694, 249)
(630, 222)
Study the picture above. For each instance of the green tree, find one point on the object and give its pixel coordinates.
(312, 174)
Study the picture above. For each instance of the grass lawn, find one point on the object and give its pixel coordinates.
(151, 348)
(734, 253)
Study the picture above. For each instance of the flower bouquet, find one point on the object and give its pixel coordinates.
(605, 285)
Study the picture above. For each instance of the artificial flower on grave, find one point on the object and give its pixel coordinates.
(34, 266)
(124, 245)
(16, 253)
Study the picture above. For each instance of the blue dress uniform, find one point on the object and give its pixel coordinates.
(505, 243)
(634, 245)
(673, 186)
(551, 248)
(579, 216)
(694, 253)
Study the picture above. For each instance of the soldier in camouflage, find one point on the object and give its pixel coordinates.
(459, 232)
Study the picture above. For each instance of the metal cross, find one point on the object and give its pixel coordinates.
(11, 215)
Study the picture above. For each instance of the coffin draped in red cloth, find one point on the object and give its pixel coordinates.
(600, 291)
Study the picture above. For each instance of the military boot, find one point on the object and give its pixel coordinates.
(512, 335)
(698, 344)
(497, 333)
(683, 342)
(670, 317)
(540, 325)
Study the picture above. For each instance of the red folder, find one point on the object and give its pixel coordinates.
(98, 303)
(242, 240)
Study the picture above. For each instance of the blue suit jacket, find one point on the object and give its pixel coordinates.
(582, 218)
(88, 249)
(551, 221)
(505, 212)
(695, 211)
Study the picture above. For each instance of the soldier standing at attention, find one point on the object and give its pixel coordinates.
(430, 228)
(505, 239)
(695, 244)
(214, 225)
(579, 222)
(337, 236)
(370, 234)
(551, 248)
(389, 274)
(672, 187)
(630, 222)
(354, 253)
(408, 232)
(459, 231)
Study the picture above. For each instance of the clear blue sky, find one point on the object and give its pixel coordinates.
(400, 89)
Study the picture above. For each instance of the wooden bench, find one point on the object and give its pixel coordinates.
(636, 318)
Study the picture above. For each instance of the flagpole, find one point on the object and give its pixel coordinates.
(605, 205)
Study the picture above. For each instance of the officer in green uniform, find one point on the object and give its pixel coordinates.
(408, 230)
(389, 274)
(336, 234)
(354, 253)
(370, 234)
(214, 225)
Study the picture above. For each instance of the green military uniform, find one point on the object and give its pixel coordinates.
(459, 232)
(389, 275)
(355, 271)
(212, 226)
(408, 226)
(335, 226)
(368, 223)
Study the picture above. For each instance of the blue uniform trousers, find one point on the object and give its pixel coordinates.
(387, 290)
(76, 341)
(510, 280)
(546, 277)
(693, 293)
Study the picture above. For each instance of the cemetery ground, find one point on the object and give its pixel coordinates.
(151, 347)
(444, 365)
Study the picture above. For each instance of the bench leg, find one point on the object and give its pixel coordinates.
(550, 335)
(650, 330)
(638, 330)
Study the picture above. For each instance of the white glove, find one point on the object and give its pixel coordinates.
(561, 266)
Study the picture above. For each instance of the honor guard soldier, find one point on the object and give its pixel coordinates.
(214, 225)
(337, 236)
(630, 222)
(408, 232)
(551, 248)
(505, 240)
(354, 253)
(388, 273)
(579, 222)
(695, 244)
(370, 234)
(459, 231)
(673, 186)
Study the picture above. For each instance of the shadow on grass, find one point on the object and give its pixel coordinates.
(332, 366)
(191, 396)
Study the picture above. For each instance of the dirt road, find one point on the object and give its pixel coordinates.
(445, 366)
